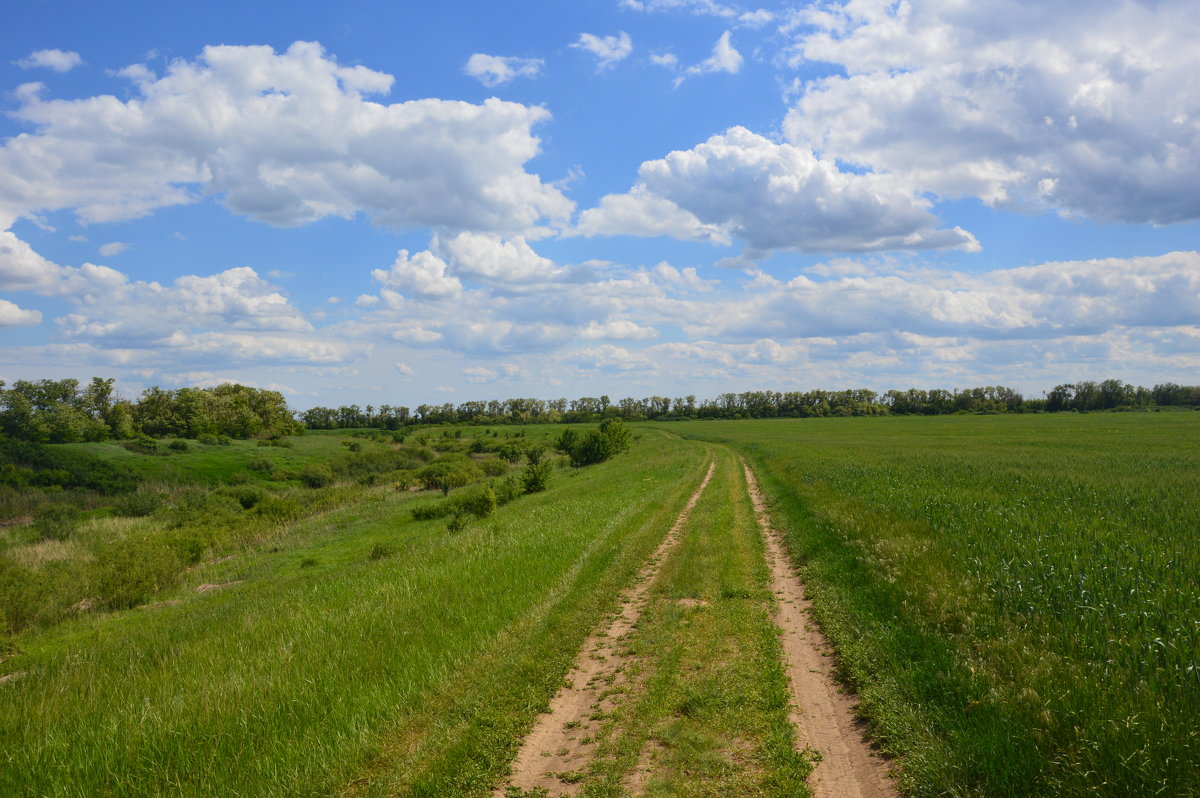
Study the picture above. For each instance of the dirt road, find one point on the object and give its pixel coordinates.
(556, 753)
(824, 714)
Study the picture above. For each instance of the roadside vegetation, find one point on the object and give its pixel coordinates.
(304, 651)
(1014, 598)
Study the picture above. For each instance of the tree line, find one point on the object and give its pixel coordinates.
(1084, 396)
(64, 411)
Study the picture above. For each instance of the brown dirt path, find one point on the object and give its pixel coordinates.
(556, 753)
(822, 711)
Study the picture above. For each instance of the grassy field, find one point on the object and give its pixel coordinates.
(1015, 598)
(355, 649)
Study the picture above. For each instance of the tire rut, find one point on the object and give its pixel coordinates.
(823, 713)
(556, 752)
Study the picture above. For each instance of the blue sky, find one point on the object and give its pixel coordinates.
(429, 202)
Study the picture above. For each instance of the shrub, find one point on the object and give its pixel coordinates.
(381, 551)
(316, 475)
(566, 441)
(131, 570)
(480, 502)
(507, 490)
(142, 444)
(511, 453)
(208, 439)
(245, 495)
(278, 508)
(493, 467)
(600, 444)
(451, 471)
(457, 523)
(535, 477)
(137, 504)
(478, 447)
(56, 521)
(261, 464)
(534, 454)
(178, 445)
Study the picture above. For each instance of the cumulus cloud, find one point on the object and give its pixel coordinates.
(704, 7)
(489, 257)
(984, 100)
(608, 50)
(113, 248)
(494, 70)
(58, 60)
(772, 196)
(618, 329)
(424, 275)
(13, 315)
(284, 138)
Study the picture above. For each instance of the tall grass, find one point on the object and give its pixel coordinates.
(1016, 598)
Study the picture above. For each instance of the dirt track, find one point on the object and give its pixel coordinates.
(823, 714)
(557, 751)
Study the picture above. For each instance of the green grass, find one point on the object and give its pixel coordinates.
(708, 713)
(327, 670)
(1014, 597)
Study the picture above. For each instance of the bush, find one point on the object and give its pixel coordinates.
(507, 490)
(278, 508)
(600, 444)
(137, 504)
(450, 471)
(56, 521)
(381, 551)
(209, 439)
(142, 444)
(480, 502)
(263, 465)
(457, 523)
(178, 445)
(534, 454)
(316, 475)
(535, 477)
(493, 467)
(511, 453)
(246, 495)
(131, 570)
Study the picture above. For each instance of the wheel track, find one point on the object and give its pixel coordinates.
(822, 712)
(558, 749)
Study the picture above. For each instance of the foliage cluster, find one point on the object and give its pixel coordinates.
(594, 446)
(63, 411)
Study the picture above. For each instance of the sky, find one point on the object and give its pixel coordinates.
(407, 202)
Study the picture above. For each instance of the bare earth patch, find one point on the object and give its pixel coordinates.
(209, 587)
(555, 754)
(823, 713)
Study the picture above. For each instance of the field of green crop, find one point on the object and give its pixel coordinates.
(1016, 598)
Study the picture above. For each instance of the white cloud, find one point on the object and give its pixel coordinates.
(12, 315)
(285, 138)
(113, 248)
(22, 269)
(756, 18)
(773, 196)
(1028, 106)
(724, 58)
(478, 374)
(608, 50)
(618, 329)
(669, 60)
(424, 275)
(1045, 302)
(702, 7)
(487, 256)
(494, 70)
(58, 60)
(403, 368)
